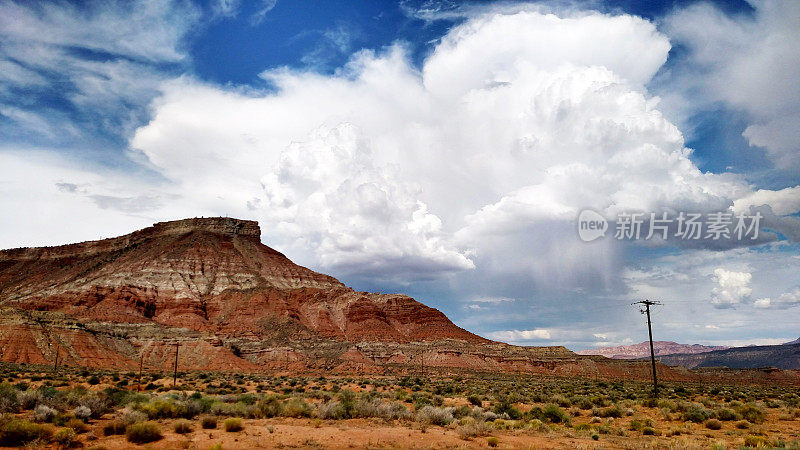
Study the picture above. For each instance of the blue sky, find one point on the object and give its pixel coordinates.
(441, 149)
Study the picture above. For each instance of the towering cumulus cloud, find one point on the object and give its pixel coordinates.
(513, 124)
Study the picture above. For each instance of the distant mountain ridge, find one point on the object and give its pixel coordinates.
(642, 350)
(781, 356)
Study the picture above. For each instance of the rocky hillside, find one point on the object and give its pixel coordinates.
(642, 350)
(210, 289)
(208, 275)
(212, 286)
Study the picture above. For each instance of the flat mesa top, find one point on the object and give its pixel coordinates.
(225, 225)
(219, 225)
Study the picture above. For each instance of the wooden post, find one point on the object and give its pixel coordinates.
(55, 363)
(139, 379)
(175, 374)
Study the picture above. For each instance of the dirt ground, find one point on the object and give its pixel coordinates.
(579, 426)
(381, 434)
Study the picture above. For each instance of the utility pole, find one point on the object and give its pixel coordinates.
(142, 352)
(422, 362)
(55, 363)
(175, 375)
(139, 378)
(647, 304)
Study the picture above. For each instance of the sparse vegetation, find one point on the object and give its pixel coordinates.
(143, 432)
(114, 427)
(432, 415)
(208, 422)
(65, 437)
(233, 424)
(182, 426)
(66, 411)
(18, 432)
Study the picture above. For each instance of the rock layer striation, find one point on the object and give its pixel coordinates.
(231, 303)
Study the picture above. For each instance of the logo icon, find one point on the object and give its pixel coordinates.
(591, 225)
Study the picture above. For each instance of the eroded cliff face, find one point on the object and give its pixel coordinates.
(209, 282)
(208, 275)
(232, 303)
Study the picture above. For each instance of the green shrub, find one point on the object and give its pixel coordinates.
(44, 413)
(584, 403)
(742, 424)
(432, 415)
(28, 399)
(8, 398)
(114, 427)
(751, 413)
(640, 424)
(182, 426)
(161, 409)
(650, 431)
(330, 410)
(50, 391)
(347, 399)
(755, 441)
(96, 404)
(507, 408)
(296, 407)
(82, 412)
(555, 414)
(611, 411)
(713, 424)
(600, 401)
(247, 399)
(473, 429)
(473, 399)
(78, 425)
(727, 414)
(233, 424)
(65, 437)
(208, 422)
(16, 432)
(130, 416)
(492, 441)
(270, 406)
(561, 401)
(696, 415)
(462, 411)
(143, 432)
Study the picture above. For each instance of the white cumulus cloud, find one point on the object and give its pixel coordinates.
(328, 193)
(785, 300)
(520, 335)
(732, 287)
(783, 202)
